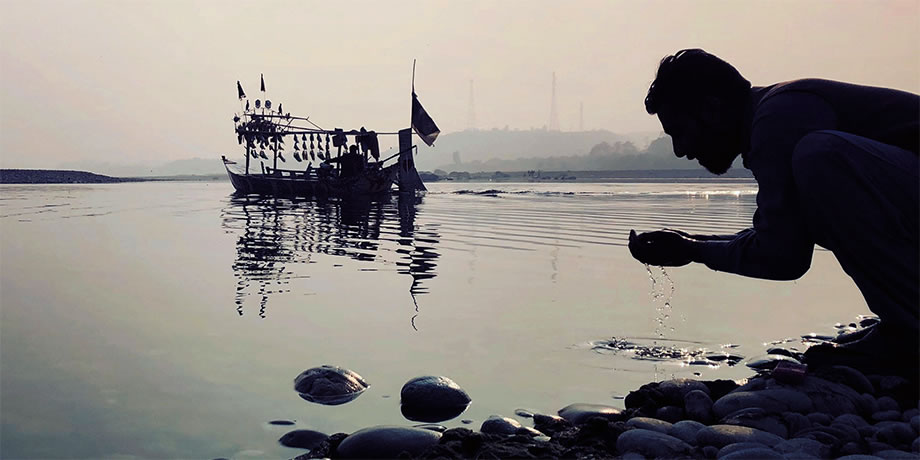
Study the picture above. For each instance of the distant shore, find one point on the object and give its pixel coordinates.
(53, 176)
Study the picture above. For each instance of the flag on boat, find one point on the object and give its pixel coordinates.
(239, 90)
(262, 77)
(422, 123)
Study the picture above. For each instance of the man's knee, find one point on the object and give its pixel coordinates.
(813, 154)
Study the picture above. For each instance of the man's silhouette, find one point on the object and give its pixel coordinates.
(836, 165)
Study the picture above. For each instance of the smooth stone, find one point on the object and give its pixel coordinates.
(432, 427)
(281, 422)
(524, 413)
(386, 441)
(831, 435)
(760, 453)
(848, 376)
(500, 425)
(894, 454)
(633, 456)
(773, 400)
(732, 448)
(887, 416)
(895, 433)
(432, 399)
(648, 423)
(796, 422)
(853, 420)
(851, 448)
(915, 423)
(757, 418)
(652, 444)
(886, 403)
(915, 446)
(303, 439)
(859, 457)
(849, 432)
(698, 406)
(768, 362)
(580, 413)
(820, 418)
(878, 446)
(867, 431)
(829, 397)
(867, 404)
(329, 385)
(670, 414)
(909, 414)
(675, 389)
(808, 446)
(686, 430)
(723, 435)
(710, 451)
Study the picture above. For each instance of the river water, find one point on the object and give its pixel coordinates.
(169, 319)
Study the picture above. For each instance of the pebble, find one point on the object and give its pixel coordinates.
(851, 448)
(895, 455)
(771, 400)
(759, 419)
(386, 442)
(686, 430)
(579, 413)
(895, 433)
(675, 389)
(723, 435)
(849, 377)
(648, 423)
(909, 414)
(877, 446)
(808, 446)
(886, 415)
(915, 423)
(795, 422)
(859, 457)
(432, 399)
(329, 385)
(853, 420)
(761, 453)
(829, 397)
(670, 413)
(867, 431)
(303, 439)
(710, 451)
(500, 425)
(886, 403)
(868, 405)
(915, 446)
(698, 406)
(652, 444)
(732, 448)
(819, 418)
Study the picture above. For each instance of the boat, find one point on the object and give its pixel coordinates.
(327, 162)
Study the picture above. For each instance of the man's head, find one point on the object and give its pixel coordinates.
(701, 102)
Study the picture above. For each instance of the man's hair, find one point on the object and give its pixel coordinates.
(685, 79)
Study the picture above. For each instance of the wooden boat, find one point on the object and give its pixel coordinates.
(348, 164)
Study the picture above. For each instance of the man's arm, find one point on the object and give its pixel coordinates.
(780, 245)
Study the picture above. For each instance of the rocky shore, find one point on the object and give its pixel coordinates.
(50, 176)
(784, 413)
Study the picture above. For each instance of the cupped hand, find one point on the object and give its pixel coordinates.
(668, 248)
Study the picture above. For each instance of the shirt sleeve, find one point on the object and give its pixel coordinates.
(779, 246)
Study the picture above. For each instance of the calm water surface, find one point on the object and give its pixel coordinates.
(165, 320)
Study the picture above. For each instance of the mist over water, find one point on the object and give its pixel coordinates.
(170, 319)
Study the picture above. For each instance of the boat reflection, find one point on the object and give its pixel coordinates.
(278, 237)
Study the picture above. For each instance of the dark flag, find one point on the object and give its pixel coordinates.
(422, 122)
(262, 77)
(239, 90)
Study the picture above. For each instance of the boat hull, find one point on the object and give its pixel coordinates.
(369, 183)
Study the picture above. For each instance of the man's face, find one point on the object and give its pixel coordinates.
(711, 145)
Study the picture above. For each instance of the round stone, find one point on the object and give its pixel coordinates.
(387, 442)
(329, 385)
(432, 399)
(303, 439)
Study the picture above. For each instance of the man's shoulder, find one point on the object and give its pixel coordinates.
(814, 86)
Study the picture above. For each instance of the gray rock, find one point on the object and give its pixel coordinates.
(887, 416)
(915, 446)
(853, 420)
(767, 362)
(757, 418)
(676, 389)
(500, 425)
(878, 446)
(859, 457)
(386, 442)
(895, 455)
(432, 399)
(579, 413)
(830, 435)
(808, 446)
(723, 435)
(820, 418)
(867, 404)
(909, 414)
(849, 377)
(648, 423)
(732, 448)
(895, 433)
(915, 423)
(652, 444)
(698, 406)
(867, 431)
(686, 430)
(670, 414)
(762, 453)
(773, 401)
(829, 397)
(851, 448)
(888, 403)
(303, 439)
(847, 432)
(796, 422)
(710, 451)
(329, 385)
(633, 456)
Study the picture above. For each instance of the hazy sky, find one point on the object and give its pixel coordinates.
(152, 81)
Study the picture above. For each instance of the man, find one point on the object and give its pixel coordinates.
(836, 165)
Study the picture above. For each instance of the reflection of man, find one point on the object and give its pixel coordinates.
(836, 165)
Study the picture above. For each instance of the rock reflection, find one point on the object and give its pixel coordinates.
(277, 237)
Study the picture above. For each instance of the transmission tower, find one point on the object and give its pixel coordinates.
(553, 114)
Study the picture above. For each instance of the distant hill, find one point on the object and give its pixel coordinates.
(50, 176)
(187, 167)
